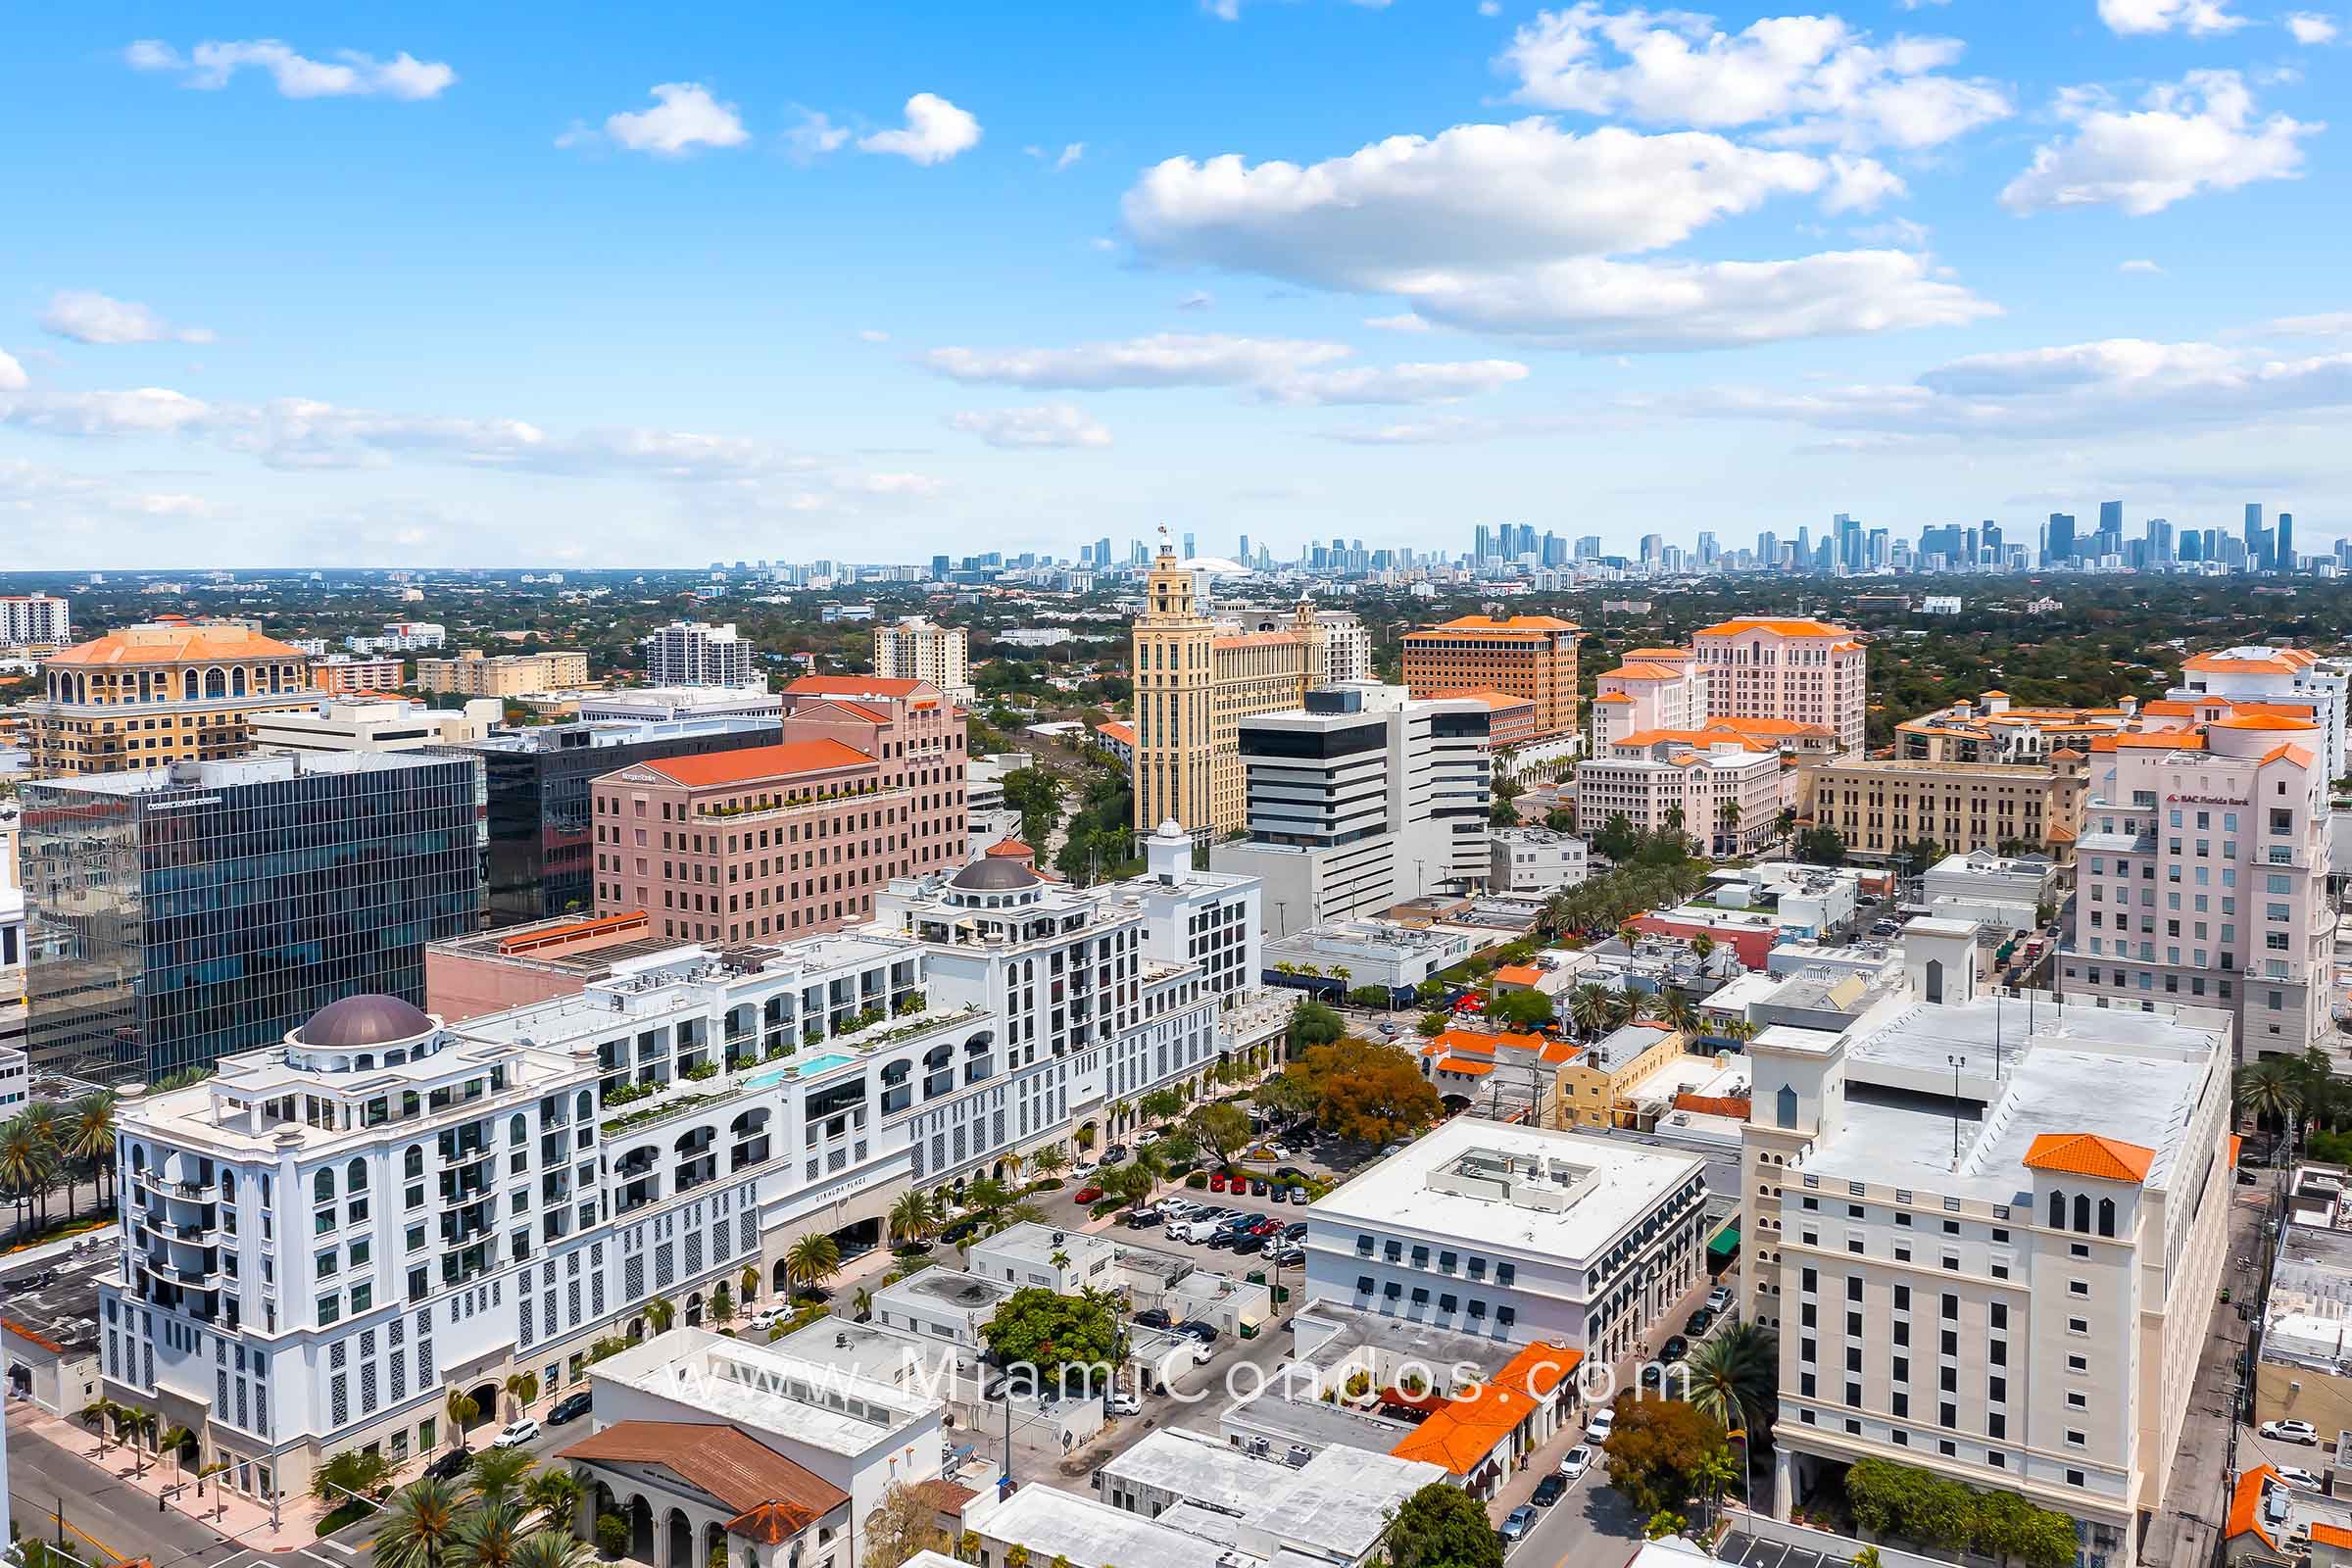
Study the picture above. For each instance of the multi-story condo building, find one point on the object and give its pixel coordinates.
(349, 674)
(472, 675)
(1805, 670)
(1517, 1233)
(917, 736)
(693, 653)
(401, 637)
(1526, 656)
(12, 933)
(1360, 799)
(757, 845)
(492, 1197)
(663, 704)
(381, 724)
(1196, 680)
(144, 696)
(1724, 792)
(35, 620)
(2290, 680)
(541, 858)
(189, 912)
(1882, 805)
(1992, 729)
(1347, 640)
(918, 649)
(2201, 875)
(1654, 688)
(1988, 1233)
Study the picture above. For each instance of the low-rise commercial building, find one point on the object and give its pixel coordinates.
(1724, 794)
(1536, 860)
(1597, 1087)
(472, 674)
(377, 725)
(667, 704)
(2006, 893)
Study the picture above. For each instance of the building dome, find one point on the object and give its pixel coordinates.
(993, 874)
(358, 1022)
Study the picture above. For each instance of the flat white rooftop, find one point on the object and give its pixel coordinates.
(1570, 1194)
(1053, 1524)
(759, 1386)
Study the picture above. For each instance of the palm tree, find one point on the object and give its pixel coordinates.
(2266, 1091)
(90, 1136)
(1558, 914)
(1121, 1115)
(812, 1260)
(1678, 1012)
(174, 1439)
(723, 1304)
(986, 1193)
(96, 1415)
(419, 1526)
(1733, 1377)
(1052, 1161)
(488, 1537)
(660, 1312)
(1727, 821)
(556, 1494)
(1014, 1162)
(861, 1303)
(137, 1423)
(750, 1281)
(23, 1166)
(550, 1549)
(205, 1472)
(912, 1218)
(354, 1475)
(41, 1117)
(524, 1388)
(499, 1474)
(1589, 1010)
(463, 1410)
(1712, 1475)
(1702, 944)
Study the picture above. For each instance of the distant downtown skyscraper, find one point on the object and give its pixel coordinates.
(2058, 543)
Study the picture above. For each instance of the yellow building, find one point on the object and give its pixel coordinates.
(470, 674)
(160, 693)
(1194, 682)
(1595, 1086)
(1879, 805)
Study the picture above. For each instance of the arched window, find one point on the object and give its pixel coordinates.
(518, 1132)
(585, 1107)
(355, 1176)
(216, 685)
(2057, 1211)
(1934, 979)
(411, 1164)
(2106, 1216)
(2083, 1212)
(236, 681)
(1785, 1104)
(322, 1187)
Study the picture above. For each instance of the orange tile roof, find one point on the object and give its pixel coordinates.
(1997, 694)
(2273, 659)
(2324, 1534)
(1118, 730)
(2168, 707)
(2274, 721)
(1517, 624)
(1612, 697)
(1486, 695)
(1783, 627)
(1009, 848)
(2165, 740)
(756, 763)
(1643, 670)
(1255, 639)
(1463, 1434)
(1558, 1053)
(1714, 1105)
(1468, 1067)
(599, 925)
(856, 686)
(2090, 1155)
(1470, 1040)
(2245, 1506)
(1518, 974)
(2293, 754)
(774, 1498)
(160, 644)
(1659, 652)
(944, 1495)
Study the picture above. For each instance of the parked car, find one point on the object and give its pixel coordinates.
(1216, 1182)
(1517, 1526)
(515, 1434)
(960, 1230)
(449, 1467)
(1549, 1491)
(1719, 1299)
(2290, 1432)
(1222, 1240)
(1114, 1153)
(1152, 1317)
(1143, 1220)
(1265, 1225)
(1249, 1243)
(1675, 1348)
(1298, 1195)
(2296, 1475)
(1575, 1462)
(1698, 1322)
(1278, 1193)
(1295, 1230)
(1192, 1230)
(1123, 1403)
(1199, 1329)
(1086, 1194)
(1083, 1171)
(1285, 1252)
(572, 1408)
(1603, 1422)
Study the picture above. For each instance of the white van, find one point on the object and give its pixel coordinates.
(1192, 1230)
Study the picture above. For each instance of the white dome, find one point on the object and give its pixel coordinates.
(1169, 828)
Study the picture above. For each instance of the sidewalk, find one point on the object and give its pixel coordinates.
(240, 1519)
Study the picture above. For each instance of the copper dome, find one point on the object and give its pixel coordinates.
(356, 1022)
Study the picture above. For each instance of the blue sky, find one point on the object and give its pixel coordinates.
(435, 286)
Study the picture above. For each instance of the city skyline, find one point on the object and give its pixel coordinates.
(417, 293)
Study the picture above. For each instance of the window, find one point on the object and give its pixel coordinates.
(2077, 1325)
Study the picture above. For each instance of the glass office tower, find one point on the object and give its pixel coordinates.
(178, 914)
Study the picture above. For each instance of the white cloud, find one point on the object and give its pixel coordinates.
(2311, 28)
(1509, 229)
(1814, 79)
(1859, 184)
(874, 334)
(1069, 155)
(1046, 425)
(2198, 18)
(2117, 387)
(1393, 383)
(12, 374)
(2138, 264)
(1274, 369)
(2198, 135)
(43, 492)
(684, 117)
(1489, 7)
(936, 130)
(916, 486)
(349, 74)
(137, 410)
(816, 136)
(88, 317)
(1406, 322)
(2333, 323)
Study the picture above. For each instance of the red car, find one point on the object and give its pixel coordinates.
(1216, 1182)
(1086, 1194)
(1265, 1227)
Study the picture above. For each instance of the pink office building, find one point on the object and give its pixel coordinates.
(917, 736)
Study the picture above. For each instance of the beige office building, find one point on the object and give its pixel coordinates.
(917, 649)
(1196, 679)
(1802, 669)
(168, 692)
(470, 674)
(1879, 805)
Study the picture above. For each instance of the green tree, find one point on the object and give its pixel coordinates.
(1618, 839)
(1036, 794)
(1821, 845)
(418, 1528)
(89, 1136)
(1589, 1010)
(488, 1537)
(1656, 1448)
(912, 1219)
(524, 1388)
(1314, 1024)
(352, 1474)
(612, 1535)
(1734, 1379)
(1521, 1009)
(553, 1548)
(462, 1410)
(1367, 1093)
(554, 1495)
(1222, 1129)
(1442, 1526)
(812, 1260)
(498, 1476)
(904, 1523)
(1036, 1328)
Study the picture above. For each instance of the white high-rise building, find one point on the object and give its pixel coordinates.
(35, 618)
(1988, 1232)
(329, 1233)
(1806, 671)
(1361, 799)
(917, 649)
(12, 934)
(693, 653)
(2290, 678)
(2201, 876)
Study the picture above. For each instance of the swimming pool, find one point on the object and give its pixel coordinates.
(805, 1066)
